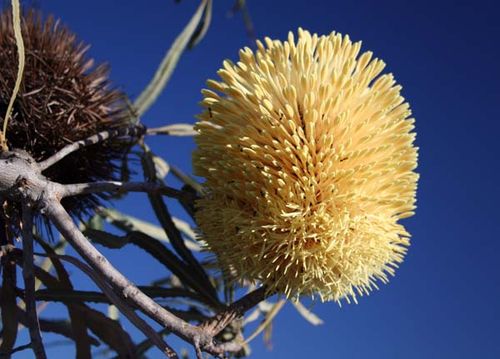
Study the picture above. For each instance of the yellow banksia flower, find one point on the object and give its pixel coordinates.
(308, 155)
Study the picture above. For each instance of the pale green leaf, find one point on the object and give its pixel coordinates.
(307, 314)
(135, 224)
(167, 66)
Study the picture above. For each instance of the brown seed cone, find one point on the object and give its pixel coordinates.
(64, 97)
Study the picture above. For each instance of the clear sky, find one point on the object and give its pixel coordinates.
(444, 301)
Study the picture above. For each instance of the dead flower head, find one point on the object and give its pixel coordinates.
(309, 161)
(63, 98)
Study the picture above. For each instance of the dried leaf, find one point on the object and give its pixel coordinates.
(268, 331)
(241, 6)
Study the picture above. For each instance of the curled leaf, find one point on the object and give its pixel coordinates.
(307, 314)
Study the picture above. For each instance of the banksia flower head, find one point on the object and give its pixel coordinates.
(63, 98)
(309, 161)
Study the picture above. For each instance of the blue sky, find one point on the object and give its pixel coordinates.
(444, 301)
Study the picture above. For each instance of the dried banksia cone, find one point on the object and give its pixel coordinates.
(63, 98)
(309, 161)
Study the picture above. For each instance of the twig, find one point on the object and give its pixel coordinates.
(115, 186)
(92, 140)
(29, 284)
(120, 304)
(216, 324)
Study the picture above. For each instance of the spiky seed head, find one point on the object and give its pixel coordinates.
(308, 155)
(64, 97)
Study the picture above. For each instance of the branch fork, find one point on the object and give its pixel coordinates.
(21, 180)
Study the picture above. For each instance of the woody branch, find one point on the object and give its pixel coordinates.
(21, 180)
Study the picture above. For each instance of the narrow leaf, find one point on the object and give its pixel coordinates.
(158, 251)
(167, 66)
(79, 296)
(307, 314)
(161, 166)
(96, 222)
(109, 331)
(113, 312)
(121, 305)
(56, 326)
(147, 344)
(177, 172)
(177, 129)
(8, 306)
(267, 321)
(105, 239)
(165, 219)
(203, 26)
(78, 322)
(171, 262)
(129, 223)
(186, 229)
